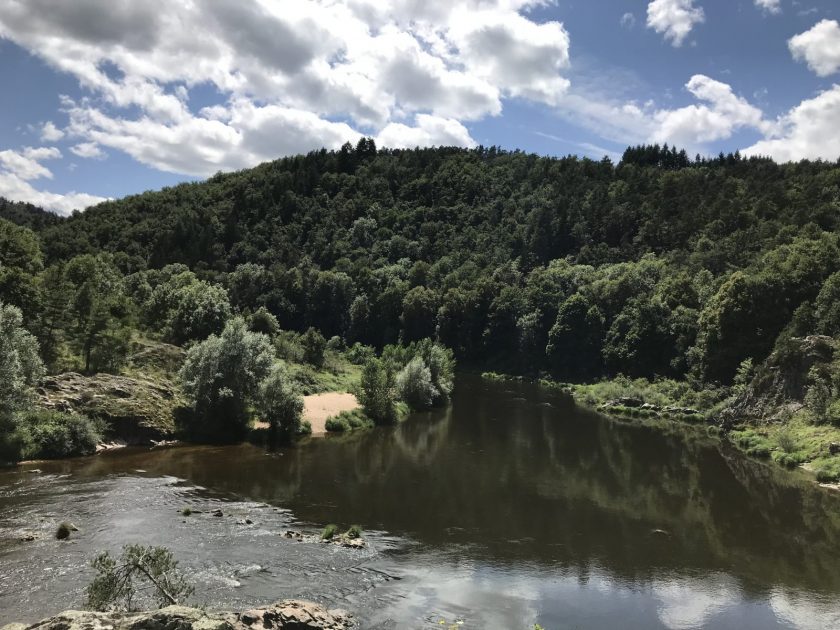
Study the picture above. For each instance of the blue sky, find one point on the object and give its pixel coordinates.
(105, 99)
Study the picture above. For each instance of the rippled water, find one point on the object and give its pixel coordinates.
(509, 508)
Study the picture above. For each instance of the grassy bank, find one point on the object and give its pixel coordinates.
(796, 442)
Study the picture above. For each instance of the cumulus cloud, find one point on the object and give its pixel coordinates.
(428, 131)
(89, 150)
(674, 19)
(818, 47)
(769, 6)
(720, 115)
(311, 73)
(51, 133)
(808, 131)
(18, 168)
(628, 21)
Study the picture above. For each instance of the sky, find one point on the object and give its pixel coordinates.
(105, 98)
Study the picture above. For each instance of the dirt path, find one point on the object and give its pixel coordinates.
(318, 407)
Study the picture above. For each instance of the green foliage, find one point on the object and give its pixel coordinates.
(281, 405)
(377, 395)
(20, 368)
(47, 434)
(314, 346)
(414, 384)
(221, 377)
(355, 531)
(141, 574)
(329, 532)
(575, 339)
(348, 421)
(263, 321)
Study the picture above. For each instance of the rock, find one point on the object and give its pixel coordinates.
(28, 537)
(217, 513)
(661, 533)
(34, 471)
(64, 529)
(353, 543)
(834, 448)
(629, 401)
(134, 410)
(651, 407)
(291, 614)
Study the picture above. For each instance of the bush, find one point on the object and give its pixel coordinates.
(49, 434)
(337, 425)
(359, 354)
(262, 321)
(355, 531)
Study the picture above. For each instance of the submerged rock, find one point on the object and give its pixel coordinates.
(292, 614)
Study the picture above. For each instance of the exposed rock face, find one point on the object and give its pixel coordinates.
(780, 382)
(135, 410)
(292, 614)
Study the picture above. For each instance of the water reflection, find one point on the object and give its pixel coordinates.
(510, 507)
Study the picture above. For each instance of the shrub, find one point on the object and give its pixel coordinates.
(263, 321)
(329, 532)
(150, 572)
(337, 424)
(54, 434)
(355, 531)
(359, 354)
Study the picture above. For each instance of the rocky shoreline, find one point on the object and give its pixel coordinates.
(291, 614)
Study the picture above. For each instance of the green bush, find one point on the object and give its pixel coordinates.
(49, 434)
(337, 425)
(827, 469)
(355, 531)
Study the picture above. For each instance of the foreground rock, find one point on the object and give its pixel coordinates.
(292, 614)
(135, 410)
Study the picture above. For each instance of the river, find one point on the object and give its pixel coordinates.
(511, 507)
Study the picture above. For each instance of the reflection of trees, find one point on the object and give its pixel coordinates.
(515, 473)
(420, 437)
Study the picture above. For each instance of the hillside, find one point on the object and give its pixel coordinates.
(657, 266)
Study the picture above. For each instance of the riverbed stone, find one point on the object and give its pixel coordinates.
(291, 614)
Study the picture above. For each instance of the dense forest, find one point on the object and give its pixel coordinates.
(658, 266)
(661, 267)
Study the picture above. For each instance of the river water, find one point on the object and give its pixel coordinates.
(507, 509)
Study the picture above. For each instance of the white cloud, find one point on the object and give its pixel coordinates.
(313, 72)
(17, 168)
(770, 6)
(89, 150)
(675, 19)
(26, 165)
(51, 133)
(428, 131)
(628, 21)
(808, 131)
(721, 115)
(818, 47)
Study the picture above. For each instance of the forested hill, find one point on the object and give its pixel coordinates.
(660, 265)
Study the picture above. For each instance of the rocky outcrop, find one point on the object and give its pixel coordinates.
(292, 614)
(134, 410)
(780, 383)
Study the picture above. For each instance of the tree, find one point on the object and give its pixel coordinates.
(281, 405)
(574, 342)
(377, 394)
(20, 369)
(120, 585)
(314, 346)
(419, 311)
(200, 309)
(414, 384)
(100, 312)
(827, 307)
(221, 376)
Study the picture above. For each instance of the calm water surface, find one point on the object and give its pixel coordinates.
(509, 508)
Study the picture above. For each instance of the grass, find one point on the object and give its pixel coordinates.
(329, 532)
(337, 375)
